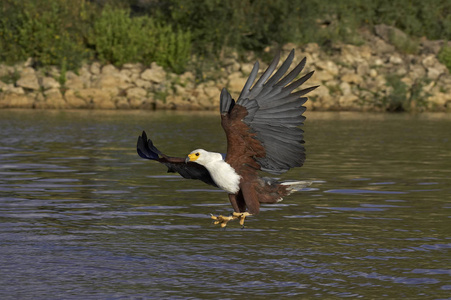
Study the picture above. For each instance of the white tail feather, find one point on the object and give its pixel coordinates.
(294, 186)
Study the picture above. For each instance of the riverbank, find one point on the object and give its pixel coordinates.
(375, 76)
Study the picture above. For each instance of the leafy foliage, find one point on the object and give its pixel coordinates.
(41, 30)
(53, 31)
(403, 97)
(444, 56)
(118, 39)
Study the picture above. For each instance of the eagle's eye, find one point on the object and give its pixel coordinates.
(197, 154)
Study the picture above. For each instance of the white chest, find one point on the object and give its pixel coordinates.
(224, 176)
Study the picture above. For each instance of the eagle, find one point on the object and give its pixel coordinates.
(263, 131)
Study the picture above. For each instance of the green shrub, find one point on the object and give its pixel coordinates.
(173, 49)
(403, 97)
(404, 43)
(40, 30)
(444, 56)
(119, 38)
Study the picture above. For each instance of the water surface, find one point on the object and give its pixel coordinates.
(83, 217)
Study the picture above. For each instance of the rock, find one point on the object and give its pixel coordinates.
(11, 100)
(94, 96)
(73, 81)
(131, 66)
(29, 62)
(53, 100)
(351, 78)
(366, 52)
(246, 68)
(50, 83)
(417, 71)
(389, 33)
(323, 76)
(126, 74)
(105, 104)
(328, 66)
(431, 47)
(383, 47)
(430, 61)
(145, 84)
(4, 71)
(28, 79)
(73, 101)
(311, 48)
(407, 81)
(155, 74)
(396, 60)
(231, 65)
(320, 92)
(351, 55)
(121, 102)
(112, 82)
(10, 88)
(345, 88)
(363, 68)
(212, 92)
(109, 69)
(236, 82)
(435, 73)
(95, 68)
(136, 92)
(179, 90)
(377, 62)
(434, 68)
(348, 101)
(135, 103)
(3, 86)
(373, 73)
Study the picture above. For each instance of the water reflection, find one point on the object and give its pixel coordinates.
(82, 216)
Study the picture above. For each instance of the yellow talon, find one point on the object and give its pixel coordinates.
(241, 216)
(223, 220)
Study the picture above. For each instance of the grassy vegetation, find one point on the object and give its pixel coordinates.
(444, 56)
(57, 32)
(403, 97)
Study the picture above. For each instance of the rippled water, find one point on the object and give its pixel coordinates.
(83, 217)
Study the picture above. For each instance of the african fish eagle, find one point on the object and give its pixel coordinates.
(263, 133)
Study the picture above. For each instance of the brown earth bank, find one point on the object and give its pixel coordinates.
(373, 76)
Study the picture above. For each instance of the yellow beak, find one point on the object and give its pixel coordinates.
(191, 157)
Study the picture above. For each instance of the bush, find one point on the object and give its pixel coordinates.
(40, 30)
(173, 48)
(403, 97)
(444, 56)
(118, 39)
(53, 31)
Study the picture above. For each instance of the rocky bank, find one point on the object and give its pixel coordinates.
(371, 77)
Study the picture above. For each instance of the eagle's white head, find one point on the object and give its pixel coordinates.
(203, 157)
(221, 172)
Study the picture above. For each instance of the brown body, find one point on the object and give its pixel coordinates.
(242, 149)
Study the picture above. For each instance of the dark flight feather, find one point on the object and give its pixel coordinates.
(189, 170)
(272, 102)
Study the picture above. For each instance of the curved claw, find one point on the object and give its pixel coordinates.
(223, 220)
(241, 217)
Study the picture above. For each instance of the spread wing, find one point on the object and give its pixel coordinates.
(189, 170)
(263, 125)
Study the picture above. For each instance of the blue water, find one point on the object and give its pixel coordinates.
(83, 217)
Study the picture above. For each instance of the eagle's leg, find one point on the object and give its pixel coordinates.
(239, 207)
